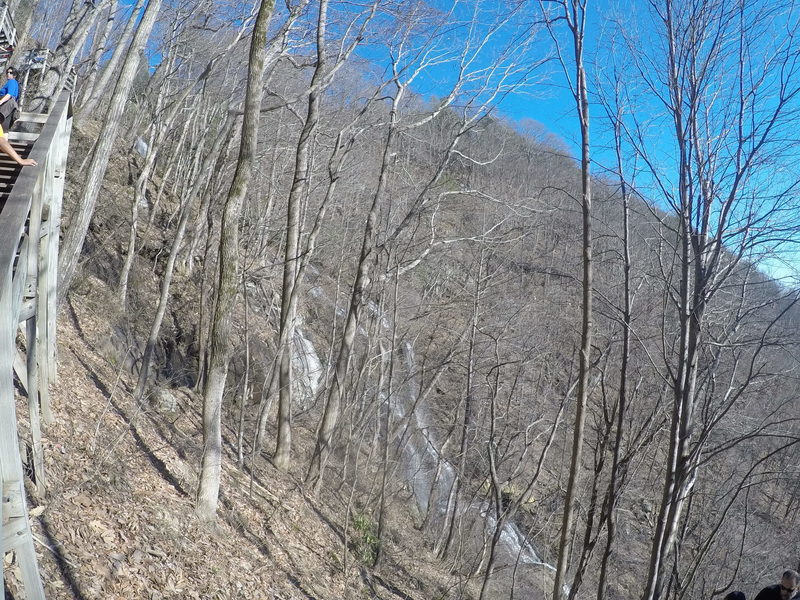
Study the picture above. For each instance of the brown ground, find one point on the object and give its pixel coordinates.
(118, 521)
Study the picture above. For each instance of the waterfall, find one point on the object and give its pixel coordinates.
(428, 474)
(423, 460)
(307, 368)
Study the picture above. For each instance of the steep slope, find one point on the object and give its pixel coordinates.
(118, 521)
(488, 316)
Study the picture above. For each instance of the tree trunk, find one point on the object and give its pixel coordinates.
(91, 103)
(330, 415)
(618, 470)
(76, 28)
(99, 47)
(203, 173)
(451, 519)
(575, 11)
(245, 384)
(22, 12)
(227, 286)
(73, 243)
(291, 254)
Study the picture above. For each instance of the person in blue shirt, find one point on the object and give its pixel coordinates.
(11, 88)
(8, 92)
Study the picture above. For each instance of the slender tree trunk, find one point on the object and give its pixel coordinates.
(678, 479)
(246, 384)
(203, 173)
(451, 518)
(22, 11)
(160, 126)
(92, 102)
(291, 255)
(76, 28)
(490, 556)
(334, 168)
(385, 378)
(575, 12)
(139, 196)
(227, 287)
(336, 388)
(617, 475)
(73, 243)
(99, 47)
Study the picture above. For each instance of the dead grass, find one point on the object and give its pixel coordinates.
(118, 521)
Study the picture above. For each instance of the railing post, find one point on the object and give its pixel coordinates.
(33, 345)
(14, 526)
(59, 163)
(9, 453)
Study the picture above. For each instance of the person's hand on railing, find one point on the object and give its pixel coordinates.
(8, 149)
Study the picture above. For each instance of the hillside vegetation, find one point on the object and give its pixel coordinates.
(363, 318)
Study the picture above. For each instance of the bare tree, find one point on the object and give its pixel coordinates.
(292, 275)
(573, 13)
(726, 122)
(228, 282)
(202, 164)
(476, 88)
(100, 40)
(79, 22)
(99, 86)
(614, 109)
(79, 224)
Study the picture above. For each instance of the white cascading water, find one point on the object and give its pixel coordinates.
(307, 369)
(423, 461)
(428, 474)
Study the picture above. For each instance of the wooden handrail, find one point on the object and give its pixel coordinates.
(18, 205)
(29, 233)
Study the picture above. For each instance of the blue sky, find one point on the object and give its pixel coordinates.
(773, 69)
(545, 97)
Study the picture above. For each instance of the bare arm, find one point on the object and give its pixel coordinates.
(6, 148)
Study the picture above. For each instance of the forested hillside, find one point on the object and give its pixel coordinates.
(334, 325)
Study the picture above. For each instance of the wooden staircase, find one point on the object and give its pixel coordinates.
(33, 68)
(8, 33)
(30, 214)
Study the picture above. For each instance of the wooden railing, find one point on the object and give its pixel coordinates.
(30, 214)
